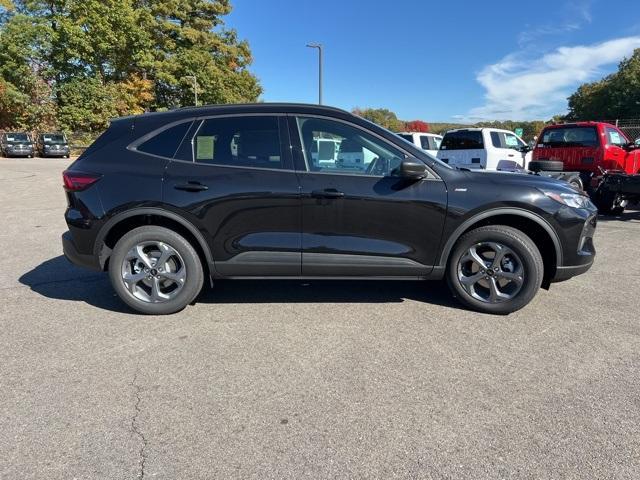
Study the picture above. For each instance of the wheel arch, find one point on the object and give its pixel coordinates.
(123, 222)
(531, 224)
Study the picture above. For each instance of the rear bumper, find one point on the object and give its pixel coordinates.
(71, 252)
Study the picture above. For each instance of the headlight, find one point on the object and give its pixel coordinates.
(574, 200)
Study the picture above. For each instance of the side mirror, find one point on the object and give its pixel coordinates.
(525, 148)
(412, 169)
(631, 146)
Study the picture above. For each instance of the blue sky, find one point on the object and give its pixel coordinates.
(460, 60)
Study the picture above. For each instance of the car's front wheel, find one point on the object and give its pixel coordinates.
(155, 271)
(495, 269)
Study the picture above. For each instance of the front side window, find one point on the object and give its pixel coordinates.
(614, 137)
(505, 140)
(462, 140)
(437, 141)
(569, 137)
(245, 141)
(356, 152)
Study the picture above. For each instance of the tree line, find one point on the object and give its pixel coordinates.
(390, 120)
(74, 64)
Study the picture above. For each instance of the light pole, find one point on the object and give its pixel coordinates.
(319, 47)
(195, 86)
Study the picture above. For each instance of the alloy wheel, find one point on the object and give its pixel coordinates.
(491, 272)
(153, 272)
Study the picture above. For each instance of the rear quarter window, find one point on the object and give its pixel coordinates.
(166, 142)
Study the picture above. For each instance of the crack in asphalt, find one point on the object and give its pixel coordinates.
(135, 427)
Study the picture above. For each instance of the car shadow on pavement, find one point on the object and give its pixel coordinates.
(327, 291)
(59, 279)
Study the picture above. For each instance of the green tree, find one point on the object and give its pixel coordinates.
(135, 53)
(382, 116)
(615, 96)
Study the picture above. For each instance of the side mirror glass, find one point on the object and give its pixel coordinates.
(412, 169)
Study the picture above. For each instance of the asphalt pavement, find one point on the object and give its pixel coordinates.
(296, 380)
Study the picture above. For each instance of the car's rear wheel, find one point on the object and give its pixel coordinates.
(154, 270)
(495, 269)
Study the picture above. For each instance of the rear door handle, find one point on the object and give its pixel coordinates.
(327, 193)
(191, 187)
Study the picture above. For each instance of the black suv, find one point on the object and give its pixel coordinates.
(164, 200)
(53, 145)
(16, 144)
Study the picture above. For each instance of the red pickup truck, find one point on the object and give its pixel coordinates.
(607, 162)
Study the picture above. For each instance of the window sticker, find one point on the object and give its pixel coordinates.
(511, 141)
(205, 148)
(614, 138)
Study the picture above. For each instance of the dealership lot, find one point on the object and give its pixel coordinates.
(308, 379)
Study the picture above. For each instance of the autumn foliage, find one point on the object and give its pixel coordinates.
(417, 126)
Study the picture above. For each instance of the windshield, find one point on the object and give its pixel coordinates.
(17, 137)
(569, 137)
(53, 138)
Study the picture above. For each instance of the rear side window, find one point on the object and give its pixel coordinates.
(239, 142)
(569, 137)
(166, 142)
(424, 143)
(462, 140)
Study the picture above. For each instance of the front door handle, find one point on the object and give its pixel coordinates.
(191, 187)
(327, 193)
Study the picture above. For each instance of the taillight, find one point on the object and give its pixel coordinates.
(78, 181)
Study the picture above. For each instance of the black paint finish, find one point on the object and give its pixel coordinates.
(290, 222)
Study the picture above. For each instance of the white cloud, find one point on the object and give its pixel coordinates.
(576, 14)
(520, 89)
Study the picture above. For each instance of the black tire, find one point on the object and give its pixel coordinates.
(546, 165)
(576, 182)
(519, 243)
(609, 203)
(194, 273)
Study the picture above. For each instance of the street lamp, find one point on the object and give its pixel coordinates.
(319, 47)
(195, 86)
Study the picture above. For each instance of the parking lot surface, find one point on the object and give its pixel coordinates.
(272, 379)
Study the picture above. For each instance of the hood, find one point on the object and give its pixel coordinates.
(524, 179)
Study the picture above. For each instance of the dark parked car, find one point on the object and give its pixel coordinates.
(53, 145)
(16, 144)
(167, 201)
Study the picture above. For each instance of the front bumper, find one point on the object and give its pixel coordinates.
(581, 259)
(55, 152)
(19, 152)
(71, 252)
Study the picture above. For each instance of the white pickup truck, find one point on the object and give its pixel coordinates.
(484, 148)
(430, 142)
